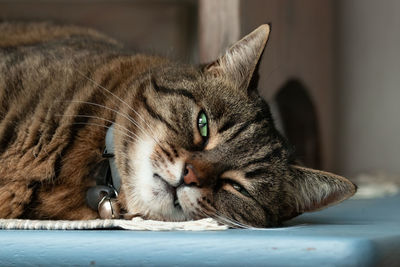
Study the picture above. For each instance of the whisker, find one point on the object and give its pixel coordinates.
(233, 221)
(210, 212)
(220, 219)
(117, 97)
(108, 108)
(66, 159)
(229, 221)
(103, 119)
(117, 112)
(104, 126)
(215, 214)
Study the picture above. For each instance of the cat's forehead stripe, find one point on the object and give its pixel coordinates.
(266, 158)
(226, 126)
(246, 125)
(256, 172)
(169, 91)
(156, 115)
(236, 175)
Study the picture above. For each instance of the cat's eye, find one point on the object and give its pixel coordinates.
(240, 189)
(202, 124)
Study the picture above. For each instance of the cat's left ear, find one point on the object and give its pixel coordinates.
(311, 190)
(240, 61)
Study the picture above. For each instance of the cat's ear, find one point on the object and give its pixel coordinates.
(312, 190)
(240, 61)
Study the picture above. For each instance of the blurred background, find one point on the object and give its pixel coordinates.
(335, 63)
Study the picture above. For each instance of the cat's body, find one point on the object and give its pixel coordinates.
(62, 87)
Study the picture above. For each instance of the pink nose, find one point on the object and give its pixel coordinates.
(190, 177)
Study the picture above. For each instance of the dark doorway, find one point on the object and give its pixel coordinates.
(300, 122)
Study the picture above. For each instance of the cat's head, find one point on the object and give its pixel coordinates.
(205, 145)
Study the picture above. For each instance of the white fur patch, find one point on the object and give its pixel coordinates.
(142, 175)
(143, 170)
(149, 195)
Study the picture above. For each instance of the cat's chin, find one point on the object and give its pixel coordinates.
(189, 198)
(159, 203)
(180, 204)
(157, 200)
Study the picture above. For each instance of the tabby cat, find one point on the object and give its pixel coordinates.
(188, 142)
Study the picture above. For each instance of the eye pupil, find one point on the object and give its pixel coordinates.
(240, 189)
(237, 187)
(202, 124)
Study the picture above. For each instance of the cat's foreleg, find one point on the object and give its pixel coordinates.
(15, 198)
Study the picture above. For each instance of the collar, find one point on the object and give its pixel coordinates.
(108, 180)
(109, 152)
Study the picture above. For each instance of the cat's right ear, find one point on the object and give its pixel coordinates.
(240, 61)
(311, 190)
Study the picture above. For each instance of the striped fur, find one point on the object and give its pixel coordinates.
(61, 87)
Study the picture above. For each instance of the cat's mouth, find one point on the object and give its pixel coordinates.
(175, 196)
(176, 201)
(171, 190)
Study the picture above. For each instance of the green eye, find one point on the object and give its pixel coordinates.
(202, 123)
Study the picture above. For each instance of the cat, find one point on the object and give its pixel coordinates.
(187, 142)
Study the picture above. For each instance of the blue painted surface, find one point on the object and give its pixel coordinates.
(355, 233)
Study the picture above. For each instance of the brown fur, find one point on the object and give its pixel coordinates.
(55, 109)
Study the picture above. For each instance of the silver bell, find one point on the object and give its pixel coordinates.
(108, 208)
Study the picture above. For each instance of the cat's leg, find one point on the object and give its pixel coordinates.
(15, 197)
(63, 202)
(20, 199)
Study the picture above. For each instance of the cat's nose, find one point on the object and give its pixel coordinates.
(189, 176)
